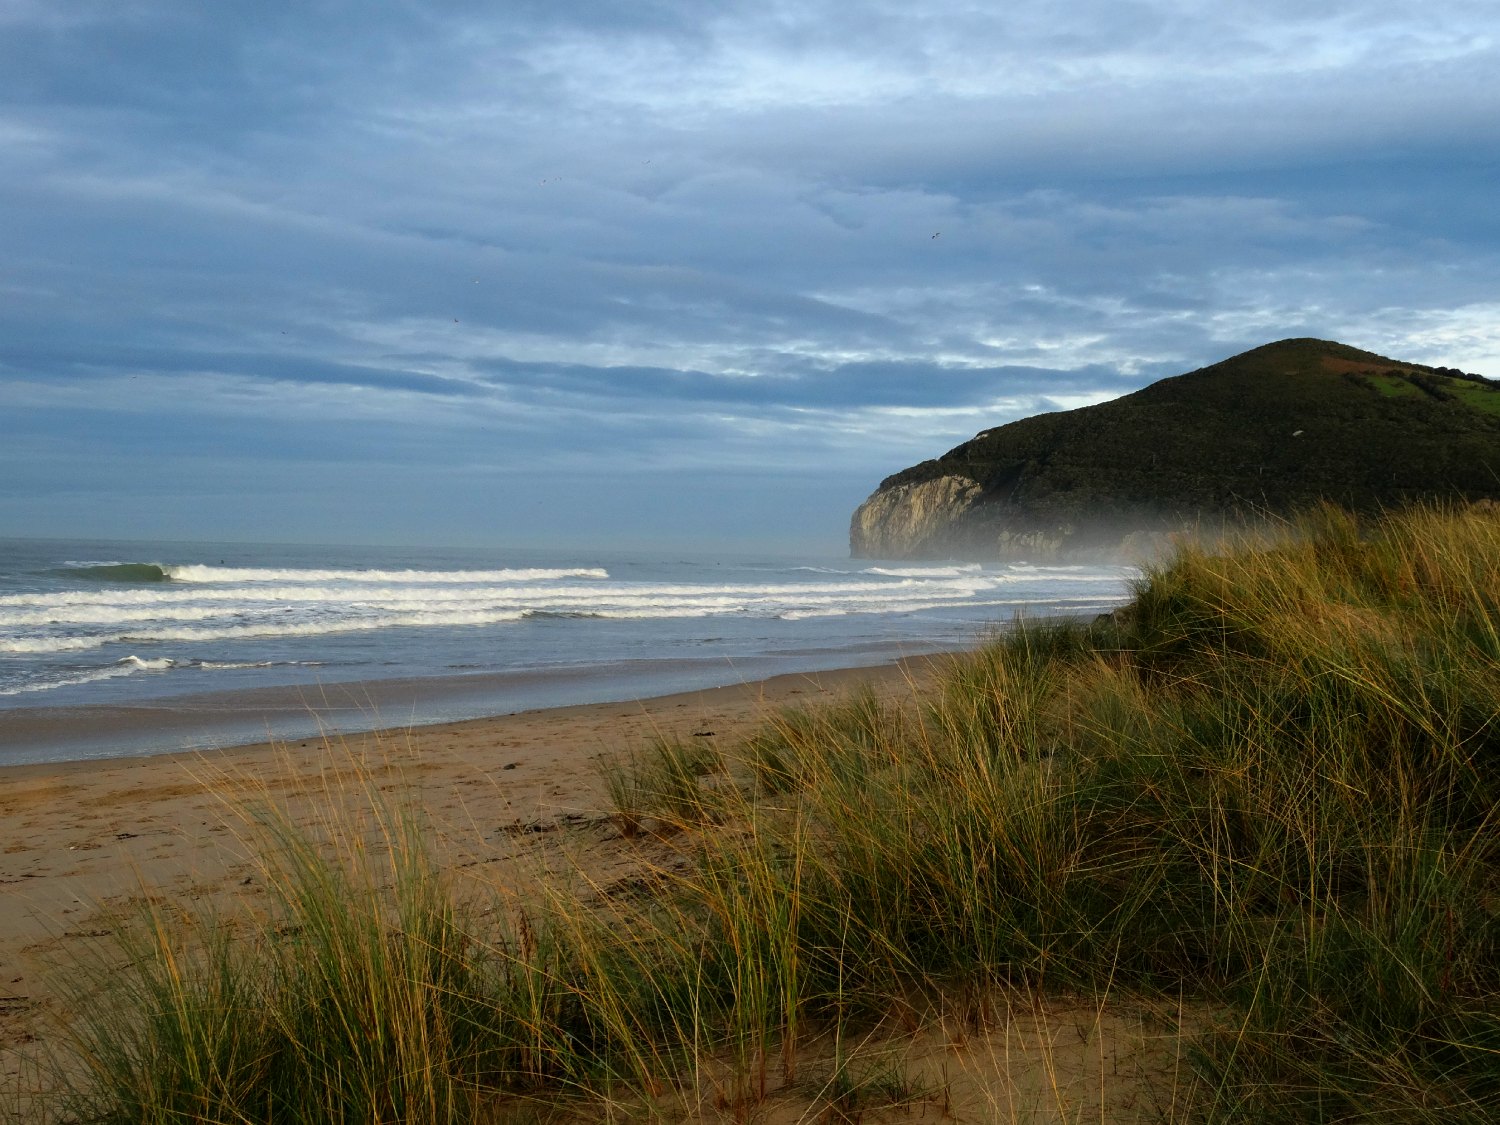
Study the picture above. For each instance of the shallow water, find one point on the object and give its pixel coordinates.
(117, 624)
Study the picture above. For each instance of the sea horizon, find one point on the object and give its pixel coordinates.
(130, 647)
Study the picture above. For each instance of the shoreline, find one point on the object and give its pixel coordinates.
(211, 722)
(353, 698)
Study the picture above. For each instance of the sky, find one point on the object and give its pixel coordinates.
(667, 273)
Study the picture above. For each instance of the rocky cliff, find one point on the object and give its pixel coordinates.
(1266, 432)
(897, 522)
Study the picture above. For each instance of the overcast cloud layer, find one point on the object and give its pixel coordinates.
(595, 271)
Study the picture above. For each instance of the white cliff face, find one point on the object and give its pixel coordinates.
(910, 519)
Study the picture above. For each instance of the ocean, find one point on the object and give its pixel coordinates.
(111, 647)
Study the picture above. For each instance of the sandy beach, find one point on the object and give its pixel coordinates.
(85, 840)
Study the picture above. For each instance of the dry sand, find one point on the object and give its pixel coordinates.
(504, 798)
(81, 840)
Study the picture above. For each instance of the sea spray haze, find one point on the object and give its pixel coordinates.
(117, 623)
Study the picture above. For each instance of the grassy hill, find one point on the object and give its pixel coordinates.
(1272, 430)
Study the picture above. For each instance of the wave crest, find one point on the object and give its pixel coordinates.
(958, 570)
(195, 572)
(115, 572)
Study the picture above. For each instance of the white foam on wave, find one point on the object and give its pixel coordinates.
(221, 606)
(952, 571)
(153, 664)
(327, 626)
(71, 680)
(188, 602)
(128, 666)
(45, 645)
(92, 607)
(232, 665)
(625, 605)
(106, 613)
(201, 573)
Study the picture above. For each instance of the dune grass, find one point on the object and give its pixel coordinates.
(1267, 789)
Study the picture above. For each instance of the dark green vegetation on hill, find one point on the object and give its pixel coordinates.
(1267, 794)
(1272, 431)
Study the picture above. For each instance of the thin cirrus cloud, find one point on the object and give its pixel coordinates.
(645, 265)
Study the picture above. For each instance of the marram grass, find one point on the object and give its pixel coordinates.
(1267, 791)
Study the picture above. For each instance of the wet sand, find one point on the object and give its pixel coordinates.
(202, 720)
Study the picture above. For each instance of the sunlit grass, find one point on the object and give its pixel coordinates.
(1265, 792)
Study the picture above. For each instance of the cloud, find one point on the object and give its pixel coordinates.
(674, 238)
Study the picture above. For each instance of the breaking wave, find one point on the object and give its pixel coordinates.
(113, 572)
(953, 571)
(138, 572)
(126, 666)
(101, 620)
(199, 573)
(130, 666)
(233, 632)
